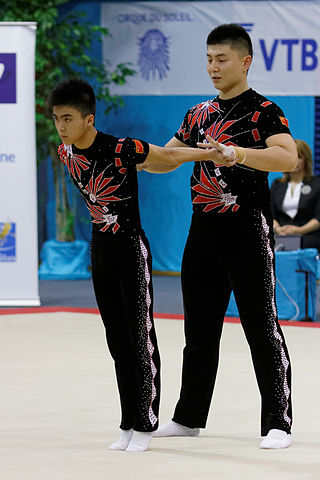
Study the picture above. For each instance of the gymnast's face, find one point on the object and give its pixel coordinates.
(227, 68)
(73, 128)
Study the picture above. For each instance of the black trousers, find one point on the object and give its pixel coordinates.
(121, 274)
(236, 255)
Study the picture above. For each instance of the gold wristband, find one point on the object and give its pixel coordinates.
(241, 154)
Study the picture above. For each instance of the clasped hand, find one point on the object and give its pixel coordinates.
(221, 154)
(288, 230)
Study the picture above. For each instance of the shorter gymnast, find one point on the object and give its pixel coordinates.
(104, 169)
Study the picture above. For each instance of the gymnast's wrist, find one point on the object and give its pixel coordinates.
(241, 154)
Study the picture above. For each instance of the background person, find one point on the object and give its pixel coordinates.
(295, 201)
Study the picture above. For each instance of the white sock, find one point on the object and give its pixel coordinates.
(173, 429)
(276, 439)
(123, 440)
(139, 442)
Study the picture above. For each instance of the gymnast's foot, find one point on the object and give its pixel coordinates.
(123, 440)
(276, 439)
(139, 442)
(173, 429)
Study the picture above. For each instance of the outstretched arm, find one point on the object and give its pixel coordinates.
(166, 159)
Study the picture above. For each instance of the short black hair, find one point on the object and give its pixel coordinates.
(74, 92)
(231, 34)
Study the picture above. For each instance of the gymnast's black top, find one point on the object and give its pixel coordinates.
(106, 176)
(247, 121)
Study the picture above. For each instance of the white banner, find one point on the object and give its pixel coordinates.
(166, 43)
(18, 191)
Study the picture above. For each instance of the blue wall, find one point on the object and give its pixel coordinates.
(165, 199)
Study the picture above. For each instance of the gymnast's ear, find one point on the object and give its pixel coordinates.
(90, 120)
(247, 62)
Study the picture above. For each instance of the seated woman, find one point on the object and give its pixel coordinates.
(295, 201)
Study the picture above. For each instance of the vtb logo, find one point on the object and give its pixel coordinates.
(8, 89)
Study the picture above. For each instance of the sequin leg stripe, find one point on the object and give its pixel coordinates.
(278, 342)
(152, 417)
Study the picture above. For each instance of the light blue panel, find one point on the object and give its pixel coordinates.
(165, 200)
(65, 260)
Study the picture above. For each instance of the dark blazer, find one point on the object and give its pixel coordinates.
(308, 208)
